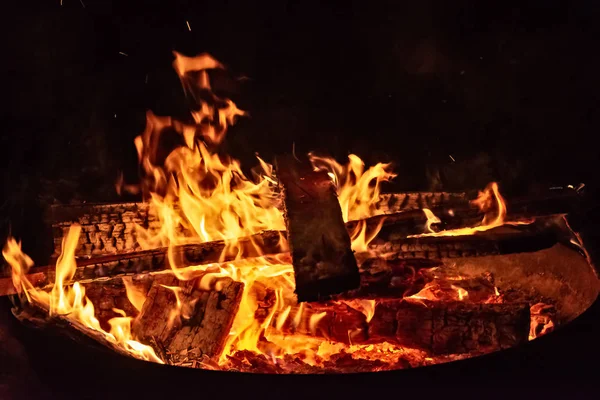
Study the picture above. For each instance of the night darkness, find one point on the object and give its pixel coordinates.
(508, 90)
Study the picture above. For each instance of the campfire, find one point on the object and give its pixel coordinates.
(304, 267)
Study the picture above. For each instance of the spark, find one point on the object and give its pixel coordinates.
(146, 79)
(188, 25)
(123, 54)
(452, 158)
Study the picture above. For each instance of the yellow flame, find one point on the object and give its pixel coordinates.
(70, 301)
(358, 190)
(431, 219)
(135, 296)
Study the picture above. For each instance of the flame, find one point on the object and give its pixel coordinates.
(431, 219)
(198, 195)
(358, 190)
(485, 201)
(70, 302)
(135, 296)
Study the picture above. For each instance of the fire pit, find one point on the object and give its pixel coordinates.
(306, 269)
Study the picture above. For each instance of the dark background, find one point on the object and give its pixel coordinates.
(509, 89)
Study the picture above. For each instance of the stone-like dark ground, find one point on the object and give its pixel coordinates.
(508, 89)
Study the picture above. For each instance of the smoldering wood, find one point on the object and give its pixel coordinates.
(334, 321)
(450, 327)
(322, 256)
(203, 327)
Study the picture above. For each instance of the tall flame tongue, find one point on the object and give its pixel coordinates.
(70, 301)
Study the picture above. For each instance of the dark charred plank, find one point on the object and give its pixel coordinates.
(323, 260)
(450, 327)
(199, 328)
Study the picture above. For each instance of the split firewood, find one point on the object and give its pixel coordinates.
(450, 327)
(323, 260)
(184, 320)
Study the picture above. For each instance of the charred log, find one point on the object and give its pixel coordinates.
(450, 327)
(323, 260)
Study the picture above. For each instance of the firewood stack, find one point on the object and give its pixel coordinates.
(411, 304)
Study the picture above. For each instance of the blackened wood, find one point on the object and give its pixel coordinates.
(202, 327)
(450, 327)
(322, 257)
(106, 228)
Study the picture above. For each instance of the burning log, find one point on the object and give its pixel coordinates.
(110, 228)
(334, 321)
(450, 327)
(323, 260)
(112, 294)
(184, 321)
(536, 236)
(156, 260)
(529, 238)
